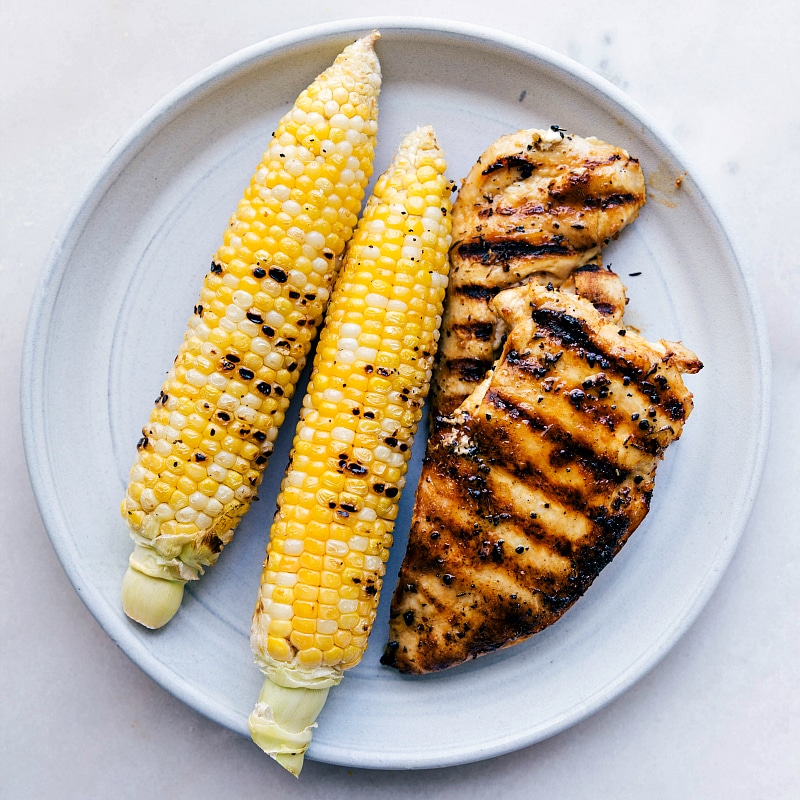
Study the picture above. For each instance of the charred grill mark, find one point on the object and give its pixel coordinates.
(575, 186)
(494, 441)
(461, 486)
(500, 251)
(606, 309)
(477, 292)
(609, 201)
(568, 450)
(567, 330)
(481, 331)
(612, 530)
(469, 370)
(573, 333)
(517, 162)
(643, 436)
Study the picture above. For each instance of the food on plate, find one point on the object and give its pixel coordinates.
(333, 528)
(541, 462)
(210, 434)
(536, 481)
(537, 205)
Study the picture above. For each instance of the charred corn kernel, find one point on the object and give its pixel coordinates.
(339, 498)
(202, 453)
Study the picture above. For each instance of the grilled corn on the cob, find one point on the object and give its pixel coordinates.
(333, 528)
(202, 454)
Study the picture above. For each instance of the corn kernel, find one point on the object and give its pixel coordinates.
(304, 608)
(304, 625)
(279, 648)
(280, 628)
(310, 657)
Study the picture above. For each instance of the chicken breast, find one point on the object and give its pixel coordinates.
(536, 481)
(537, 205)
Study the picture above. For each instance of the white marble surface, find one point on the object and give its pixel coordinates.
(718, 717)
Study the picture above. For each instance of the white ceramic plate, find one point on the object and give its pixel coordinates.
(120, 287)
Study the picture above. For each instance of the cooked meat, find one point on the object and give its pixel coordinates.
(533, 485)
(601, 287)
(536, 206)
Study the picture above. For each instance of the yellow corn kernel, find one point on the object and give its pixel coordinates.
(281, 628)
(302, 625)
(363, 405)
(278, 648)
(249, 336)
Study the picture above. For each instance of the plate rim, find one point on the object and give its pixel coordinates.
(124, 151)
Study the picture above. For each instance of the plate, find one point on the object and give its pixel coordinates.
(122, 279)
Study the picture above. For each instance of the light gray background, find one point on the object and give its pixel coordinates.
(718, 717)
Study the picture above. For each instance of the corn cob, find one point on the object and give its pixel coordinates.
(333, 528)
(203, 452)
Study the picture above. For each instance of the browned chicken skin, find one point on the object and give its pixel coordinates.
(536, 481)
(537, 205)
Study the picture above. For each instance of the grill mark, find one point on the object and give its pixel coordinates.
(601, 469)
(600, 414)
(500, 607)
(549, 525)
(477, 292)
(575, 196)
(496, 451)
(493, 251)
(606, 309)
(571, 333)
(516, 161)
(481, 331)
(491, 579)
(546, 560)
(466, 486)
(577, 189)
(490, 597)
(465, 544)
(567, 330)
(612, 531)
(608, 201)
(469, 370)
(607, 534)
(428, 593)
(454, 508)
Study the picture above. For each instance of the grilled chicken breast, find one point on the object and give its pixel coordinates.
(533, 485)
(536, 206)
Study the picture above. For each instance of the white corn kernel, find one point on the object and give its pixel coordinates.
(225, 459)
(224, 494)
(280, 611)
(213, 507)
(198, 501)
(293, 547)
(186, 514)
(162, 512)
(203, 521)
